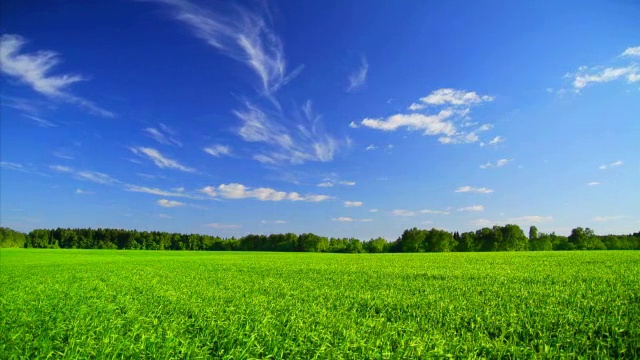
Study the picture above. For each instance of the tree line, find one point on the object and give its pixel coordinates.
(497, 238)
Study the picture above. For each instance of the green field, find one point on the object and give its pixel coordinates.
(132, 304)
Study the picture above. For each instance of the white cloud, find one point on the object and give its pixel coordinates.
(40, 121)
(307, 141)
(353, 203)
(531, 219)
(169, 203)
(480, 190)
(83, 192)
(163, 135)
(349, 219)
(373, 210)
(353, 125)
(401, 212)
(277, 222)
(451, 97)
(326, 184)
(371, 147)
(347, 183)
(239, 191)
(437, 212)
(454, 110)
(34, 69)
(159, 192)
(484, 222)
(160, 160)
(358, 77)
(594, 183)
(613, 164)
(431, 124)
(632, 51)
(474, 208)
(608, 218)
(217, 150)
(164, 216)
(220, 226)
(94, 176)
(241, 34)
(499, 163)
(586, 77)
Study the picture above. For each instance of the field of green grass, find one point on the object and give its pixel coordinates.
(172, 304)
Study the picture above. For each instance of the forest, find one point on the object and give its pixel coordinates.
(497, 238)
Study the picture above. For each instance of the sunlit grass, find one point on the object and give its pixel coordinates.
(132, 304)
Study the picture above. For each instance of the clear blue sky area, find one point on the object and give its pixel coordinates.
(342, 118)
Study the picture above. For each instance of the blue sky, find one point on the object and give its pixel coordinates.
(342, 118)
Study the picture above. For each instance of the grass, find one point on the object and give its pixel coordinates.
(146, 304)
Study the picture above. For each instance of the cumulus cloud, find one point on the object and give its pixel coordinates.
(358, 77)
(164, 135)
(444, 112)
(349, 219)
(451, 97)
(473, 208)
(480, 190)
(495, 141)
(239, 191)
(611, 165)
(586, 77)
(353, 203)
(217, 150)
(169, 203)
(347, 183)
(34, 69)
(499, 163)
(160, 160)
(632, 51)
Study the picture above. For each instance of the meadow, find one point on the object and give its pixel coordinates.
(242, 305)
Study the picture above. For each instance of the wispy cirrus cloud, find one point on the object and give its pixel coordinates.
(19, 167)
(499, 163)
(353, 203)
(435, 212)
(444, 112)
(350, 219)
(240, 33)
(277, 222)
(160, 160)
(306, 141)
(495, 141)
(169, 203)
(239, 191)
(43, 123)
(472, 208)
(218, 150)
(246, 35)
(34, 69)
(220, 226)
(161, 192)
(611, 165)
(163, 134)
(531, 219)
(479, 190)
(402, 212)
(93, 176)
(609, 218)
(359, 77)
